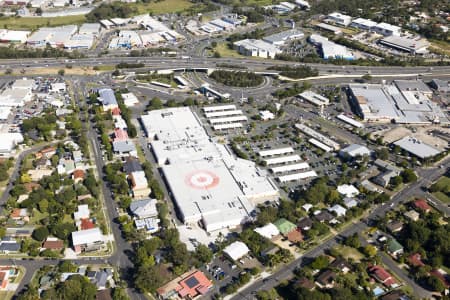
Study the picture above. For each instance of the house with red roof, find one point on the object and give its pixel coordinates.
(46, 152)
(187, 286)
(115, 111)
(383, 276)
(53, 244)
(422, 205)
(86, 224)
(444, 278)
(20, 214)
(78, 175)
(120, 135)
(415, 260)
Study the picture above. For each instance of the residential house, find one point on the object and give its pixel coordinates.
(65, 166)
(443, 277)
(295, 236)
(415, 260)
(144, 208)
(383, 276)
(139, 184)
(103, 294)
(338, 210)
(324, 216)
(52, 243)
(88, 240)
(187, 286)
(326, 279)
(78, 176)
(120, 135)
(305, 283)
(341, 264)
(422, 205)
(395, 226)
(77, 156)
(307, 207)
(46, 152)
(20, 232)
(394, 248)
(131, 165)
(395, 295)
(20, 214)
(9, 245)
(268, 231)
(108, 99)
(350, 202)
(388, 172)
(125, 148)
(284, 226)
(305, 224)
(101, 278)
(236, 250)
(412, 215)
(348, 190)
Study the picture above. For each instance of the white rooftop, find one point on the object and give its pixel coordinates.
(236, 250)
(347, 190)
(88, 236)
(417, 147)
(268, 231)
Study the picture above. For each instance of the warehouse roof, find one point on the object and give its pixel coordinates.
(417, 147)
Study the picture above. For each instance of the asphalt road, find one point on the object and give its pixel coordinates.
(285, 273)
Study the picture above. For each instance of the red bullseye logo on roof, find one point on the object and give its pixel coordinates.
(202, 180)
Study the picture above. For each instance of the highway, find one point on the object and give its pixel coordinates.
(164, 62)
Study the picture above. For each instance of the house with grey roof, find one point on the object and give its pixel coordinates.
(145, 208)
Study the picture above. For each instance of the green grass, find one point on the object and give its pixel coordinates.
(37, 216)
(30, 23)
(224, 51)
(34, 23)
(443, 197)
(162, 7)
(443, 182)
(349, 252)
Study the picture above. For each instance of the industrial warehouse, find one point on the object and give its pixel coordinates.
(206, 181)
(404, 102)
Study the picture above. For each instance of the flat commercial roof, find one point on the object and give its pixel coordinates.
(417, 147)
(219, 108)
(320, 145)
(227, 126)
(415, 44)
(283, 36)
(323, 139)
(314, 98)
(350, 121)
(207, 182)
(297, 176)
(278, 151)
(224, 113)
(289, 168)
(282, 159)
(228, 120)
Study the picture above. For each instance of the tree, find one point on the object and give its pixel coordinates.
(148, 279)
(155, 103)
(40, 234)
(203, 254)
(67, 267)
(366, 77)
(267, 295)
(353, 241)
(61, 72)
(320, 262)
(119, 294)
(435, 284)
(77, 287)
(408, 175)
(370, 250)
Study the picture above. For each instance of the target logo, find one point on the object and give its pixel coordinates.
(202, 180)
